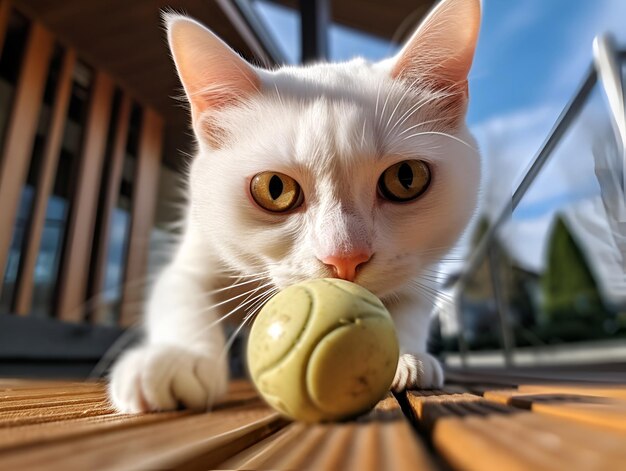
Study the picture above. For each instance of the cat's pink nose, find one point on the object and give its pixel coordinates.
(345, 266)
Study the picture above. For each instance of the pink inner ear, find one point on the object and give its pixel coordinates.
(441, 51)
(213, 75)
(223, 81)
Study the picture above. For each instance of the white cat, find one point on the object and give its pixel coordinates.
(357, 170)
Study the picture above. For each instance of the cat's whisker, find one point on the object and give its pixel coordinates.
(434, 291)
(251, 299)
(415, 108)
(363, 132)
(423, 123)
(433, 297)
(228, 344)
(226, 301)
(444, 134)
(400, 101)
(120, 344)
(235, 285)
(377, 100)
(242, 276)
(238, 273)
(263, 298)
(280, 99)
(261, 301)
(430, 276)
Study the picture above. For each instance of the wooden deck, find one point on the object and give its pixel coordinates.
(465, 426)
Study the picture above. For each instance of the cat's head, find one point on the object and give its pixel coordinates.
(360, 170)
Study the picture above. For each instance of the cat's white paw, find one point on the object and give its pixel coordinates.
(156, 378)
(417, 371)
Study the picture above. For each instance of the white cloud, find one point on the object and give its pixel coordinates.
(508, 143)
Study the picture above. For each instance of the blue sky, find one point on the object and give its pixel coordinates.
(535, 52)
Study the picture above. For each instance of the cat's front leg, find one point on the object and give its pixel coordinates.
(416, 369)
(182, 361)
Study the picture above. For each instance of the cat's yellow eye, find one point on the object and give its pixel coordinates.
(404, 181)
(275, 191)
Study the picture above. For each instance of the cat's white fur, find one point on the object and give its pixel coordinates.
(334, 128)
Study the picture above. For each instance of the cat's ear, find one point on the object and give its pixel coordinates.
(212, 74)
(441, 50)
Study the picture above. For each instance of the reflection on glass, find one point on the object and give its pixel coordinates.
(48, 259)
(119, 231)
(28, 191)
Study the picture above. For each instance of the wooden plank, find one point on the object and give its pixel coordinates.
(525, 400)
(381, 440)
(600, 390)
(73, 275)
(29, 416)
(428, 407)
(51, 432)
(473, 433)
(5, 13)
(20, 134)
(611, 416)
(202, 438)
(525, 441)
(46, 422)
(111, 194)
(25, 387)
(593, 410)
(44, 184)
(22, 404)
(143, 207)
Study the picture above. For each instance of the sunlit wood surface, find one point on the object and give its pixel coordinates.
(465, 426)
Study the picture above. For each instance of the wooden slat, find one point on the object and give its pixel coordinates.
(429, 407)
(47, 422)
(526, 400)
(13, 418)
(611, 416)
(50, 432)
(487, 433)
(207, 438)
(594, 410)
(608, 390)
(525, 441)
(21, 130)
(143, 207)
(22, 388)
(382, 440)
(73, 274)
(5, 12)
(45, 181)
(22, 404)
(111, 194)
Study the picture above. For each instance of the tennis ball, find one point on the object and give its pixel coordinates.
(323, 350)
